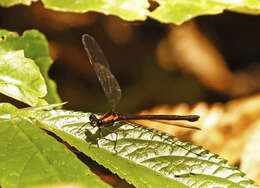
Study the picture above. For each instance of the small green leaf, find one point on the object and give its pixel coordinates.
(35, 47)
(29, 157)
(143, 157)
(20, 78)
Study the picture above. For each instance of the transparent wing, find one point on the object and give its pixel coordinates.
(167, 122)
(95, 53)
(177, 124)
(109, 84)
(106, 78)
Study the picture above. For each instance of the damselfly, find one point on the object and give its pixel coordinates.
(113, 92)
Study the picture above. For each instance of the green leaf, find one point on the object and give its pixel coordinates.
(127, 9)
(143, 157)
(35, 47)
(20, 78)
(6, 108)
(29, 157)
(179, 11)
(169, 11)
(8, 3)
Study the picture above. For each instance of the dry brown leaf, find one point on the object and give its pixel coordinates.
(250, 157)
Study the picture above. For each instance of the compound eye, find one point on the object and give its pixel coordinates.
(93, 120)
(92, 117)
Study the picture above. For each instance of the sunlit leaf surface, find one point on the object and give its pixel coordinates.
(127, 9)
(35, 48)
(20, 78)
(8, 3)
(29, 157)
(143, 157)
(179, 11)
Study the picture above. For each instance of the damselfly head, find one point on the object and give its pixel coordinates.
(93, 120)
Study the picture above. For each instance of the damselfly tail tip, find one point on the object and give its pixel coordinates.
(197, 128)
(194, 118)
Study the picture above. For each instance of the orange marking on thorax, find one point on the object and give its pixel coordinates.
(110, 118)
(103, 116)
